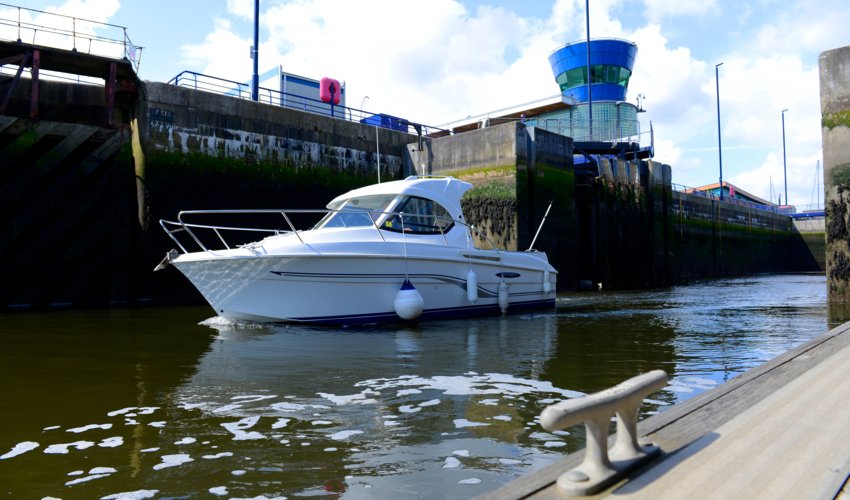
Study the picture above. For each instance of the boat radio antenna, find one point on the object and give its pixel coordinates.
(540, 226)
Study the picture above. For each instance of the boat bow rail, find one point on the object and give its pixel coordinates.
(205, 236)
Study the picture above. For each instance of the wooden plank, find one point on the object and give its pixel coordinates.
(685, 423)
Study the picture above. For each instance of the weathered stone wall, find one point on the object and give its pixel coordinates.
(835, 129)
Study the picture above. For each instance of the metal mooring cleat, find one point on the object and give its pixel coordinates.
(600, 468)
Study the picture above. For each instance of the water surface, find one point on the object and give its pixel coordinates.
(169, 402)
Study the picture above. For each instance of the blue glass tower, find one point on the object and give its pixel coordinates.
(611, 63)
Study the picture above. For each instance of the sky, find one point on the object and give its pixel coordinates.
(438, 61)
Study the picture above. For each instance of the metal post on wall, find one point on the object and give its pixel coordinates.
(719, 151)
(589, 78)
(784, 167)
(255, 51)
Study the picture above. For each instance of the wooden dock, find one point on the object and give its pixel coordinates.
(781, 430)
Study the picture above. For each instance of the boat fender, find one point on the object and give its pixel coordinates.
(503, 296)
(471, 286)
(547, 286)
(408, 302)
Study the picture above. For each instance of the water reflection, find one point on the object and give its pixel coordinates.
(166, 400)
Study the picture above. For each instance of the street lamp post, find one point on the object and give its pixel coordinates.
(255, 54)
(719, 151)
(784, 167)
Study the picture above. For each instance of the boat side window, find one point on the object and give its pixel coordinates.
(421, 216)
(356, 212)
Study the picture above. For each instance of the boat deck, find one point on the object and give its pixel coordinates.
(781, 430)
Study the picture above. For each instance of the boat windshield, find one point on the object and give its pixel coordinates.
(356, 212)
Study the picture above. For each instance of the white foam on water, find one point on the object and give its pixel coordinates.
(227, 408)
(173, 461)
(321, 422)
(432, 402)
(554, 444)
(62, 449)
(122, 411)
(19, 449)
(159, 424)
(238, 429)
(343, 435)
(361, 398)
(77, 473)
(469, 384)
(561, 433)
(238, 472)
(131, 495)
(281, 423)
(462, 422)
(305, 444)
(85, 479)
(390, 423)
(330, 449)
(489, 402)
(251, 398)
(103, 470)
(409, 409)
(131, 421)
(461, 453)
(219, 491)
(285, 406)
(407, 392)
(504, 418)
(52, 428)
(509, 461)
(149, 450)
(186, 440)
(85, 428)
(472, 480)
(541, 436)
(218, 455)
(111, 442)
(451, 463)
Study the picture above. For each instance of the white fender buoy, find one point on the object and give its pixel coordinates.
(408, 302)
(547, 286)
(503, 296)
(471, 286)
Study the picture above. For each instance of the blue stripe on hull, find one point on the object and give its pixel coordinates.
(447, 313)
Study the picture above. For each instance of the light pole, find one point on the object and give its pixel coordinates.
(255, 53)
(719, 151)
(784, 167)
(589, 78)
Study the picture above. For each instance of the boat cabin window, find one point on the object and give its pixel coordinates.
(356, 212)
(421, 216)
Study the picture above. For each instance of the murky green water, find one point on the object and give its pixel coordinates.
(149, 403)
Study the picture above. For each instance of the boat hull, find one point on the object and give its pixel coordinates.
(351, 289)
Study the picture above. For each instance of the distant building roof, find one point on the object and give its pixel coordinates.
(514, 113)
(734, 192)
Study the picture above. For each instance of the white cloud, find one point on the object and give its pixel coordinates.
(659, 9)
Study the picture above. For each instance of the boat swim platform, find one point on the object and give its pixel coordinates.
(780, 430)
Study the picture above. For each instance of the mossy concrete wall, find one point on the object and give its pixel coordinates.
(198, 150)
(516, 171)
(834, 68)
(715, 239)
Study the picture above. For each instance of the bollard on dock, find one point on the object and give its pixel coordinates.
(600, 467)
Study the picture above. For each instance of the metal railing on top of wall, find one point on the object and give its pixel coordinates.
(48, 29)
(784, 209)
(240, 90)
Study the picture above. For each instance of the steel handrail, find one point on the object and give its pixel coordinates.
(180, 225)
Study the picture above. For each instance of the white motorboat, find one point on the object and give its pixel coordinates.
(397, 250)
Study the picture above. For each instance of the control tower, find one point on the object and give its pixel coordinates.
(611, 63)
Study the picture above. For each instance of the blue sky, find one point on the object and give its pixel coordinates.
(437, 61)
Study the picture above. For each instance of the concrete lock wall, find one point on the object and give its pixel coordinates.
(835, 128)
(620, 225)
(199, 150)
